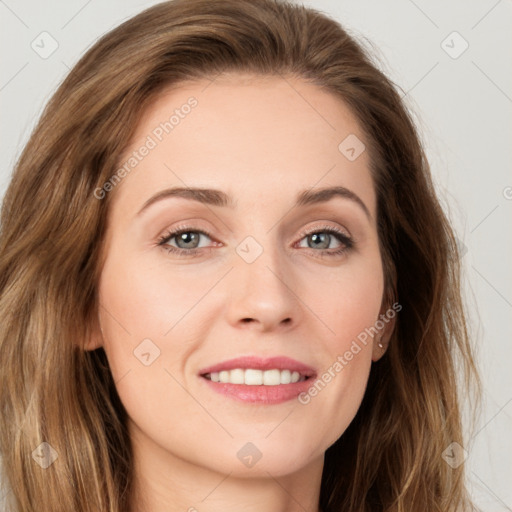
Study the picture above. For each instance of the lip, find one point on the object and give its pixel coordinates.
(259, 363)
(261, 394)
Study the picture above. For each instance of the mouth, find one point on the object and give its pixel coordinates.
(253, 379)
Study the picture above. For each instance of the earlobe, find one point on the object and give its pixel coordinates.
(381, 340)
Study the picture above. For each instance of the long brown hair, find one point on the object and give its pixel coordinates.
(52, 227)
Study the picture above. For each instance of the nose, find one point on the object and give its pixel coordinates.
(261, 295)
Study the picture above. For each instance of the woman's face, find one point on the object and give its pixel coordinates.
(266, 265)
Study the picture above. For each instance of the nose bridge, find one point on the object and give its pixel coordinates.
(261, 291)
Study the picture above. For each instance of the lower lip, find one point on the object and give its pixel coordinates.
(261, 394)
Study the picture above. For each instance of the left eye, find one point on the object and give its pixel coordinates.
(322, 240)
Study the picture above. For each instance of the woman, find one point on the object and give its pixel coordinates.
(226, 280)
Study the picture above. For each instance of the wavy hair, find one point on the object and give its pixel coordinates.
(52, 228)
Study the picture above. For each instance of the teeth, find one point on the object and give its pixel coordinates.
(251, 377)
(236, 376)
(286, 376)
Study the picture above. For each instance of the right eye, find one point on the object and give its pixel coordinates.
(185, 241)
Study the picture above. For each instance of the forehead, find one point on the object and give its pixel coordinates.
(255, 137)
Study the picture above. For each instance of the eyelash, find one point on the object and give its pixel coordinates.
(346, 241)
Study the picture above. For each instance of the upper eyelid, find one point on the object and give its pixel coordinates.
(314, 229)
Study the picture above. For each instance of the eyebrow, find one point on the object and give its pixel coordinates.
(218, 198)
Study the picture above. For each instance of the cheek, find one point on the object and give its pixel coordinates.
(151, 317)
(135, 312)
(145, 299)
(349, 301)
(141, 316)
(349, 308)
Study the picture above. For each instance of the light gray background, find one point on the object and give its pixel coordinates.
(462, 104)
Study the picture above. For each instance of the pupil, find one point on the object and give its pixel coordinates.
(189, 238)
(322, 238)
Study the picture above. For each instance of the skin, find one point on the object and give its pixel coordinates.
(262, 141)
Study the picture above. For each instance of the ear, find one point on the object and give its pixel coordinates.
(386, 324)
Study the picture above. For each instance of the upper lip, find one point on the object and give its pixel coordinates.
(260, 363)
